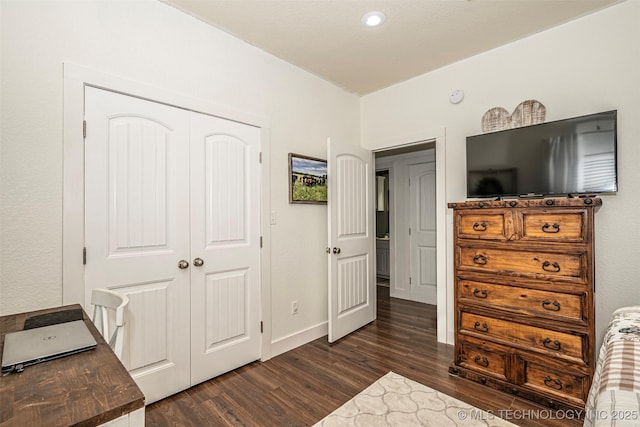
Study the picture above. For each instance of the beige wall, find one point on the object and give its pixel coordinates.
(586, 66)
(150, 42)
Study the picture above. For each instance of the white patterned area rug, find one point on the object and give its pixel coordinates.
(394, 400)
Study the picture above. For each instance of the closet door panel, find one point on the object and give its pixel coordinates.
(225, 246)
(137, 230)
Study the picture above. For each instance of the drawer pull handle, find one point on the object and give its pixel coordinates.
(481, 361)
(547, 305)
(480, 293)
(481, 327)
(552, 268)
(480, 226)
(547, 228)
(551, 346)
(555, 384)
(480, 259)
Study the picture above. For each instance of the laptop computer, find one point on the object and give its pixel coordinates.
(28, 347)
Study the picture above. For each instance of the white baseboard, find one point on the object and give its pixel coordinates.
(284, 344)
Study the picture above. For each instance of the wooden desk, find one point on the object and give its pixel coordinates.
(85, 389)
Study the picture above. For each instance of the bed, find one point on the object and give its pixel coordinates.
(614, 396)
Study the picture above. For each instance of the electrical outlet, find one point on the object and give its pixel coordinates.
(294, 307)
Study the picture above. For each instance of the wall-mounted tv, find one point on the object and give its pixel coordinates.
(566, 157)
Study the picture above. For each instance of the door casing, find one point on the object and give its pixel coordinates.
(75, 79)
(444, 262)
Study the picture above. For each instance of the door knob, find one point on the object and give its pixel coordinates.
(198, 262)
(328, 250)
(336, 250)
(183, 263)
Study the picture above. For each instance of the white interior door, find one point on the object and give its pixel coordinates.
(137, 229)
(165, 185)
(422, 238)
(352, 292)
(225, 246)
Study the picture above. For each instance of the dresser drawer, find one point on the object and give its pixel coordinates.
(532, 301)
(488, 225)
(532, 338)
(556, 382)
(540, 264)
(555, 226)
(487, 361)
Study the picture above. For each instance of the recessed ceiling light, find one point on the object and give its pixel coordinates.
(373, 19)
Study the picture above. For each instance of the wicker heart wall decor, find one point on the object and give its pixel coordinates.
(529, 112)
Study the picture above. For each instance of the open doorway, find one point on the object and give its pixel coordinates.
(406, 222)
(382, 228)
(346, 156)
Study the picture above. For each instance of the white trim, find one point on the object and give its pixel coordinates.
(444, 295)
(75, 79)
(132, 419)
(284, 344)
(445, 300)
(83, 75)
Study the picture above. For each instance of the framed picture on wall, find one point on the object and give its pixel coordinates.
(307, 179)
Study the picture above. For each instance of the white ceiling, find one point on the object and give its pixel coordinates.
(326, 38)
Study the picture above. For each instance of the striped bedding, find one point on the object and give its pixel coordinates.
(614, 397)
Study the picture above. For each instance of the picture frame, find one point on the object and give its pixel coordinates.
(307, 179)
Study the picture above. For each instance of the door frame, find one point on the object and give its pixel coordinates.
(75, 79)
(445, 329)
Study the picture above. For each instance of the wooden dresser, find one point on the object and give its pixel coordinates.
(524, 285)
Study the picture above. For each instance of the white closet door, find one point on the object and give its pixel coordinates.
(352, 293)
(225, 246)
(422, 241)
(137, 230)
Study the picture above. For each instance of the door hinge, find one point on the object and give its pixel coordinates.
(260, 157)
(84, 128)
(409, 280)
(260, 242)
(261, 327)
(84, 256)
(409, 231)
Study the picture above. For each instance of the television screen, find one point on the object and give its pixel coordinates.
(566, 157)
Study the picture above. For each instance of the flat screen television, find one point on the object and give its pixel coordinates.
(567, 157)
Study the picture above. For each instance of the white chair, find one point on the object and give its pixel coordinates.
(104, 300)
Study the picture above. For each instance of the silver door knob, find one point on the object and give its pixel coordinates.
(183, 263)
(198, 262)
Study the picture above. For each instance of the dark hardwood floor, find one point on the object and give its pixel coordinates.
(302, 386)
